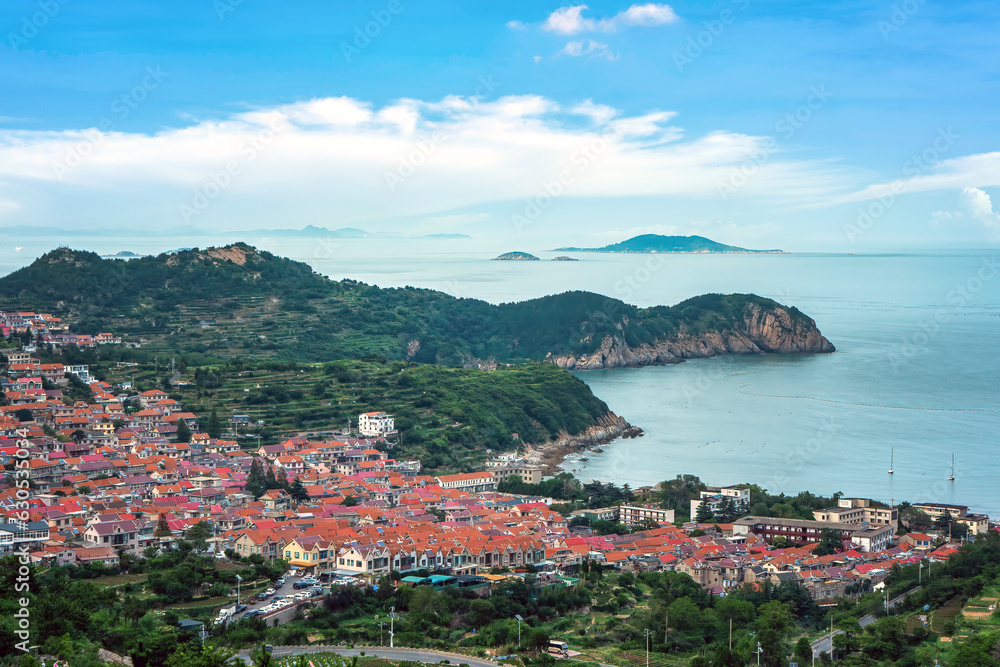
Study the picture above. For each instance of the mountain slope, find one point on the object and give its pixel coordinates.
(654, 243)
(237, 301)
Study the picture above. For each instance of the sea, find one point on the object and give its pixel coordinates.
(913, 385)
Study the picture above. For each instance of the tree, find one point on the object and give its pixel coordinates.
(183, 432)
(704, 513)
(162, 528)
(256, 483)
(214, 428)
(24, 415)
(298, 492)
(829, 543)
(803, 651)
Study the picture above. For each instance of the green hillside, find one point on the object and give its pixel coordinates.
(238, 302)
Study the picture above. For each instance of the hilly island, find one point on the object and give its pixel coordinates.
(246, 331)
(654, 243)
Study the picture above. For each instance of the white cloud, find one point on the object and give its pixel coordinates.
(516, 25)
(591, 48)
(980, 207)
(327, 161)
(570, 20)
(978, 170)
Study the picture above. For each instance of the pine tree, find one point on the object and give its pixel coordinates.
(298, 491)
(256, 483)
(704, 513)
(214, 428)
(162, 528)
(183, 432)
(281, 479)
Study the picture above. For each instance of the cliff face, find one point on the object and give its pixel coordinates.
(550, 454)
(761, 331)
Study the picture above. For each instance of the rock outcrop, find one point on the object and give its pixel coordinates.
(762, 331)
(608, 428)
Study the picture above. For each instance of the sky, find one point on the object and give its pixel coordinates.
(808, 126)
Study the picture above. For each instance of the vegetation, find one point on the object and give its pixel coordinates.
(238, 302)
(447, 417)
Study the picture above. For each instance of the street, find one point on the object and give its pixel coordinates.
(825, 643)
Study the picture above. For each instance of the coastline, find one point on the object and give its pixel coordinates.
(550, 455)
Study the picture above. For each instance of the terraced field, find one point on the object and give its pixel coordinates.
(447, 417)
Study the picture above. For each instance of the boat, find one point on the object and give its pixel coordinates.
(891, 452)
(951, 477)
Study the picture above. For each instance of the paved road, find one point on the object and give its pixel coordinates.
(391, 654)
(825, 643)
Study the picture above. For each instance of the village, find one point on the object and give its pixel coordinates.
(126, 474)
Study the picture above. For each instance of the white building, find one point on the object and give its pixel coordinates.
(375, 423)
(716, 495)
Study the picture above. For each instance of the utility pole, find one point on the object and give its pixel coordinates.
(519, 619)
(758, 652)
(730, 635)
(648, 633)
(392, 620)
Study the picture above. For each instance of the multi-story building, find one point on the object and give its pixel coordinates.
(859, 510)
(529, 474)
(375, 423)
(801, 531)
(637, 515)
(715, 496)
(471, 482)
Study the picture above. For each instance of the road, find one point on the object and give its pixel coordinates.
(282, 616)
(388, 653)
(825, 643)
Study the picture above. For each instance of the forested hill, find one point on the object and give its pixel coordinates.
(238, 301)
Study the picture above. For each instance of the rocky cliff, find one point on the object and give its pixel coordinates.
(761, 330)
(608, 428)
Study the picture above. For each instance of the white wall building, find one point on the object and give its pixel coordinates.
(375, 423)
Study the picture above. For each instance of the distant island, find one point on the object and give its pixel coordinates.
(653, 243)
(564, 258)
(517, 257)
(124, 254)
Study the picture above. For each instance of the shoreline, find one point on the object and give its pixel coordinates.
(552, 454)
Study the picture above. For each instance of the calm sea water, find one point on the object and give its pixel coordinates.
(916, 372)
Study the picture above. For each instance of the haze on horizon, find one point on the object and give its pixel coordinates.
(802, 126)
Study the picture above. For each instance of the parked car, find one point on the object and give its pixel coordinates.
(316, 590)
(252, 613)
(280, 582)
(298, 585)
(270, 592)
(239, 608)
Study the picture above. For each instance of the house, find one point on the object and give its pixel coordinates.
(114, 534)
(22, 535)
(375, 424)
(918, 541)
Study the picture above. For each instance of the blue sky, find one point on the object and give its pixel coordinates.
(810, 126)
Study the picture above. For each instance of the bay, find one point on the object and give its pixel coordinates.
(916, 368)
